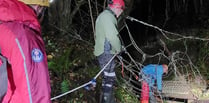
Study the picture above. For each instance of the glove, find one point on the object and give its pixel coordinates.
(91, 86)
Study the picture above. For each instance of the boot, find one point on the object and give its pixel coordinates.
(107, 98)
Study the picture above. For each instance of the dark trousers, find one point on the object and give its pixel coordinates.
(109, 72)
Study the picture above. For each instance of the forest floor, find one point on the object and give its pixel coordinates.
(73, 64)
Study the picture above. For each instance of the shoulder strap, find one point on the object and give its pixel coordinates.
(3, 76)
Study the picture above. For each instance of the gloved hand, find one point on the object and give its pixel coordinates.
(121, 51)
(91, 86)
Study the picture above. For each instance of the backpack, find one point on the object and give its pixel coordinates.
(3, 76)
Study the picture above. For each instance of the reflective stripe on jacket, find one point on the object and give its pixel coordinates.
(23, 46)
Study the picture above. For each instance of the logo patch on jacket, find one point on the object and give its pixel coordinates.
(37, 55)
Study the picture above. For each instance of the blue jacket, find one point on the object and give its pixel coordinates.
(153, 72)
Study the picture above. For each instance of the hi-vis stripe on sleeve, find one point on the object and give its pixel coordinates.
(25, 68)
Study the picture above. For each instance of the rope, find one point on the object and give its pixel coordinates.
(134, 67)
(88, 83)
(71, 91)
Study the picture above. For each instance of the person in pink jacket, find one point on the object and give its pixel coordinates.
(21, 43)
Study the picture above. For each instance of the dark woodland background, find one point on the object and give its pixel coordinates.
(68, 32)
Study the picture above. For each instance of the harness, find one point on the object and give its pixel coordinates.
(3, 76)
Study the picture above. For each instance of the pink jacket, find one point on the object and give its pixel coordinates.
(21, 43)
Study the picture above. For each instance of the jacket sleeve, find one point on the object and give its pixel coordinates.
(28, 70)
(159, 77)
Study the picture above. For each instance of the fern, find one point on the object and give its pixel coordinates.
(65, 86)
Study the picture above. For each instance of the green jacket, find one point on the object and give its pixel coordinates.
(106, 27)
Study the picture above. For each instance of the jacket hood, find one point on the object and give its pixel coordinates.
(14, 10)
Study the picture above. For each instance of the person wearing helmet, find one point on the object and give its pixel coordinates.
(150, 74)
(21, 43)
(107, 43)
